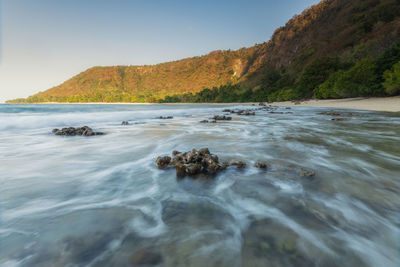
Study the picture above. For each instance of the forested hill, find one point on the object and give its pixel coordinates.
(335, 49)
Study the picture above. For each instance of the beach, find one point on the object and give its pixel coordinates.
(390, 104)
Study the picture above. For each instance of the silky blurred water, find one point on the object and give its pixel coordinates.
(102, 201)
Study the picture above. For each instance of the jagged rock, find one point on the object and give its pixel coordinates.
(261, 165)
(125, 123)
(71, 131)
(194, 162)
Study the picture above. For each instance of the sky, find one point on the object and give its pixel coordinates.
(45, 42)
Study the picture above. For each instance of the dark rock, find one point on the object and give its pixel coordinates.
(204, 121)
(163, 162)
(239, 164)
(204, 151)
(262, 104)
(221, 118)
(71, 131)
(195, 162)
(261, 165)
(165, 118)
(175, 152)
(125, 123)
(340, 119)
(275, 112)
(307, 173)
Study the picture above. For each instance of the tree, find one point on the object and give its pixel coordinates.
(392, 79)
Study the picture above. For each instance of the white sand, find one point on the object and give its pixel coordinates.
(374, 103)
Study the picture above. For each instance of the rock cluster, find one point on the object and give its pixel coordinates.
(71, 131)
(195, 162)
(222, 118)
(165, 118)
(125, 123)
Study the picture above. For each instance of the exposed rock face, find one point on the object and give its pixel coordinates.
(195, 162)
(71, 131)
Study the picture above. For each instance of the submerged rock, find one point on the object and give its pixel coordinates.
(307, 173)
(339, 119)
(239, 164)
(261, 165)
(71, 131)
(221, 118)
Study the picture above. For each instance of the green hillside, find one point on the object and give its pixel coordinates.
(335, 49)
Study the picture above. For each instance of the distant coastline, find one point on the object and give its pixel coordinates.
(388, 104)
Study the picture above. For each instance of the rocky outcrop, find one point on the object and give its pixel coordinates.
(195, 162)
(71, 131)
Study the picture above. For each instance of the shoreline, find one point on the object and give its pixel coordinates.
(386, 104)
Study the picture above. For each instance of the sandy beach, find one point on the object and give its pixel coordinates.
(391, 104)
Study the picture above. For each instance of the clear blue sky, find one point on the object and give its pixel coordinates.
(45, 42)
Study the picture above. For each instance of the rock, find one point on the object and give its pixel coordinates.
(262, 104)
(307, 173)
(146, 257)
(275, 112)
(163, 162)
(339, 119)
(239, 164)
(204, 151)
(125, 123)
(204, 121)
(165, 118)
(71, 131)
(261, 165)
(180, 170)
(194, 162)
(175, 152)
(221, 118)
(288, 108)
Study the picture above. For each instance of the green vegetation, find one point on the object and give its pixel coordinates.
(392, 80)
(335, 49)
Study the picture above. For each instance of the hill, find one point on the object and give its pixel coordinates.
(337, 48)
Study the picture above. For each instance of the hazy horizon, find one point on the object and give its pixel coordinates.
(45, 43)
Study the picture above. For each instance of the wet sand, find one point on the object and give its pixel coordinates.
(391, 104)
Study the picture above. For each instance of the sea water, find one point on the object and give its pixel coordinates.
(102, 201)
